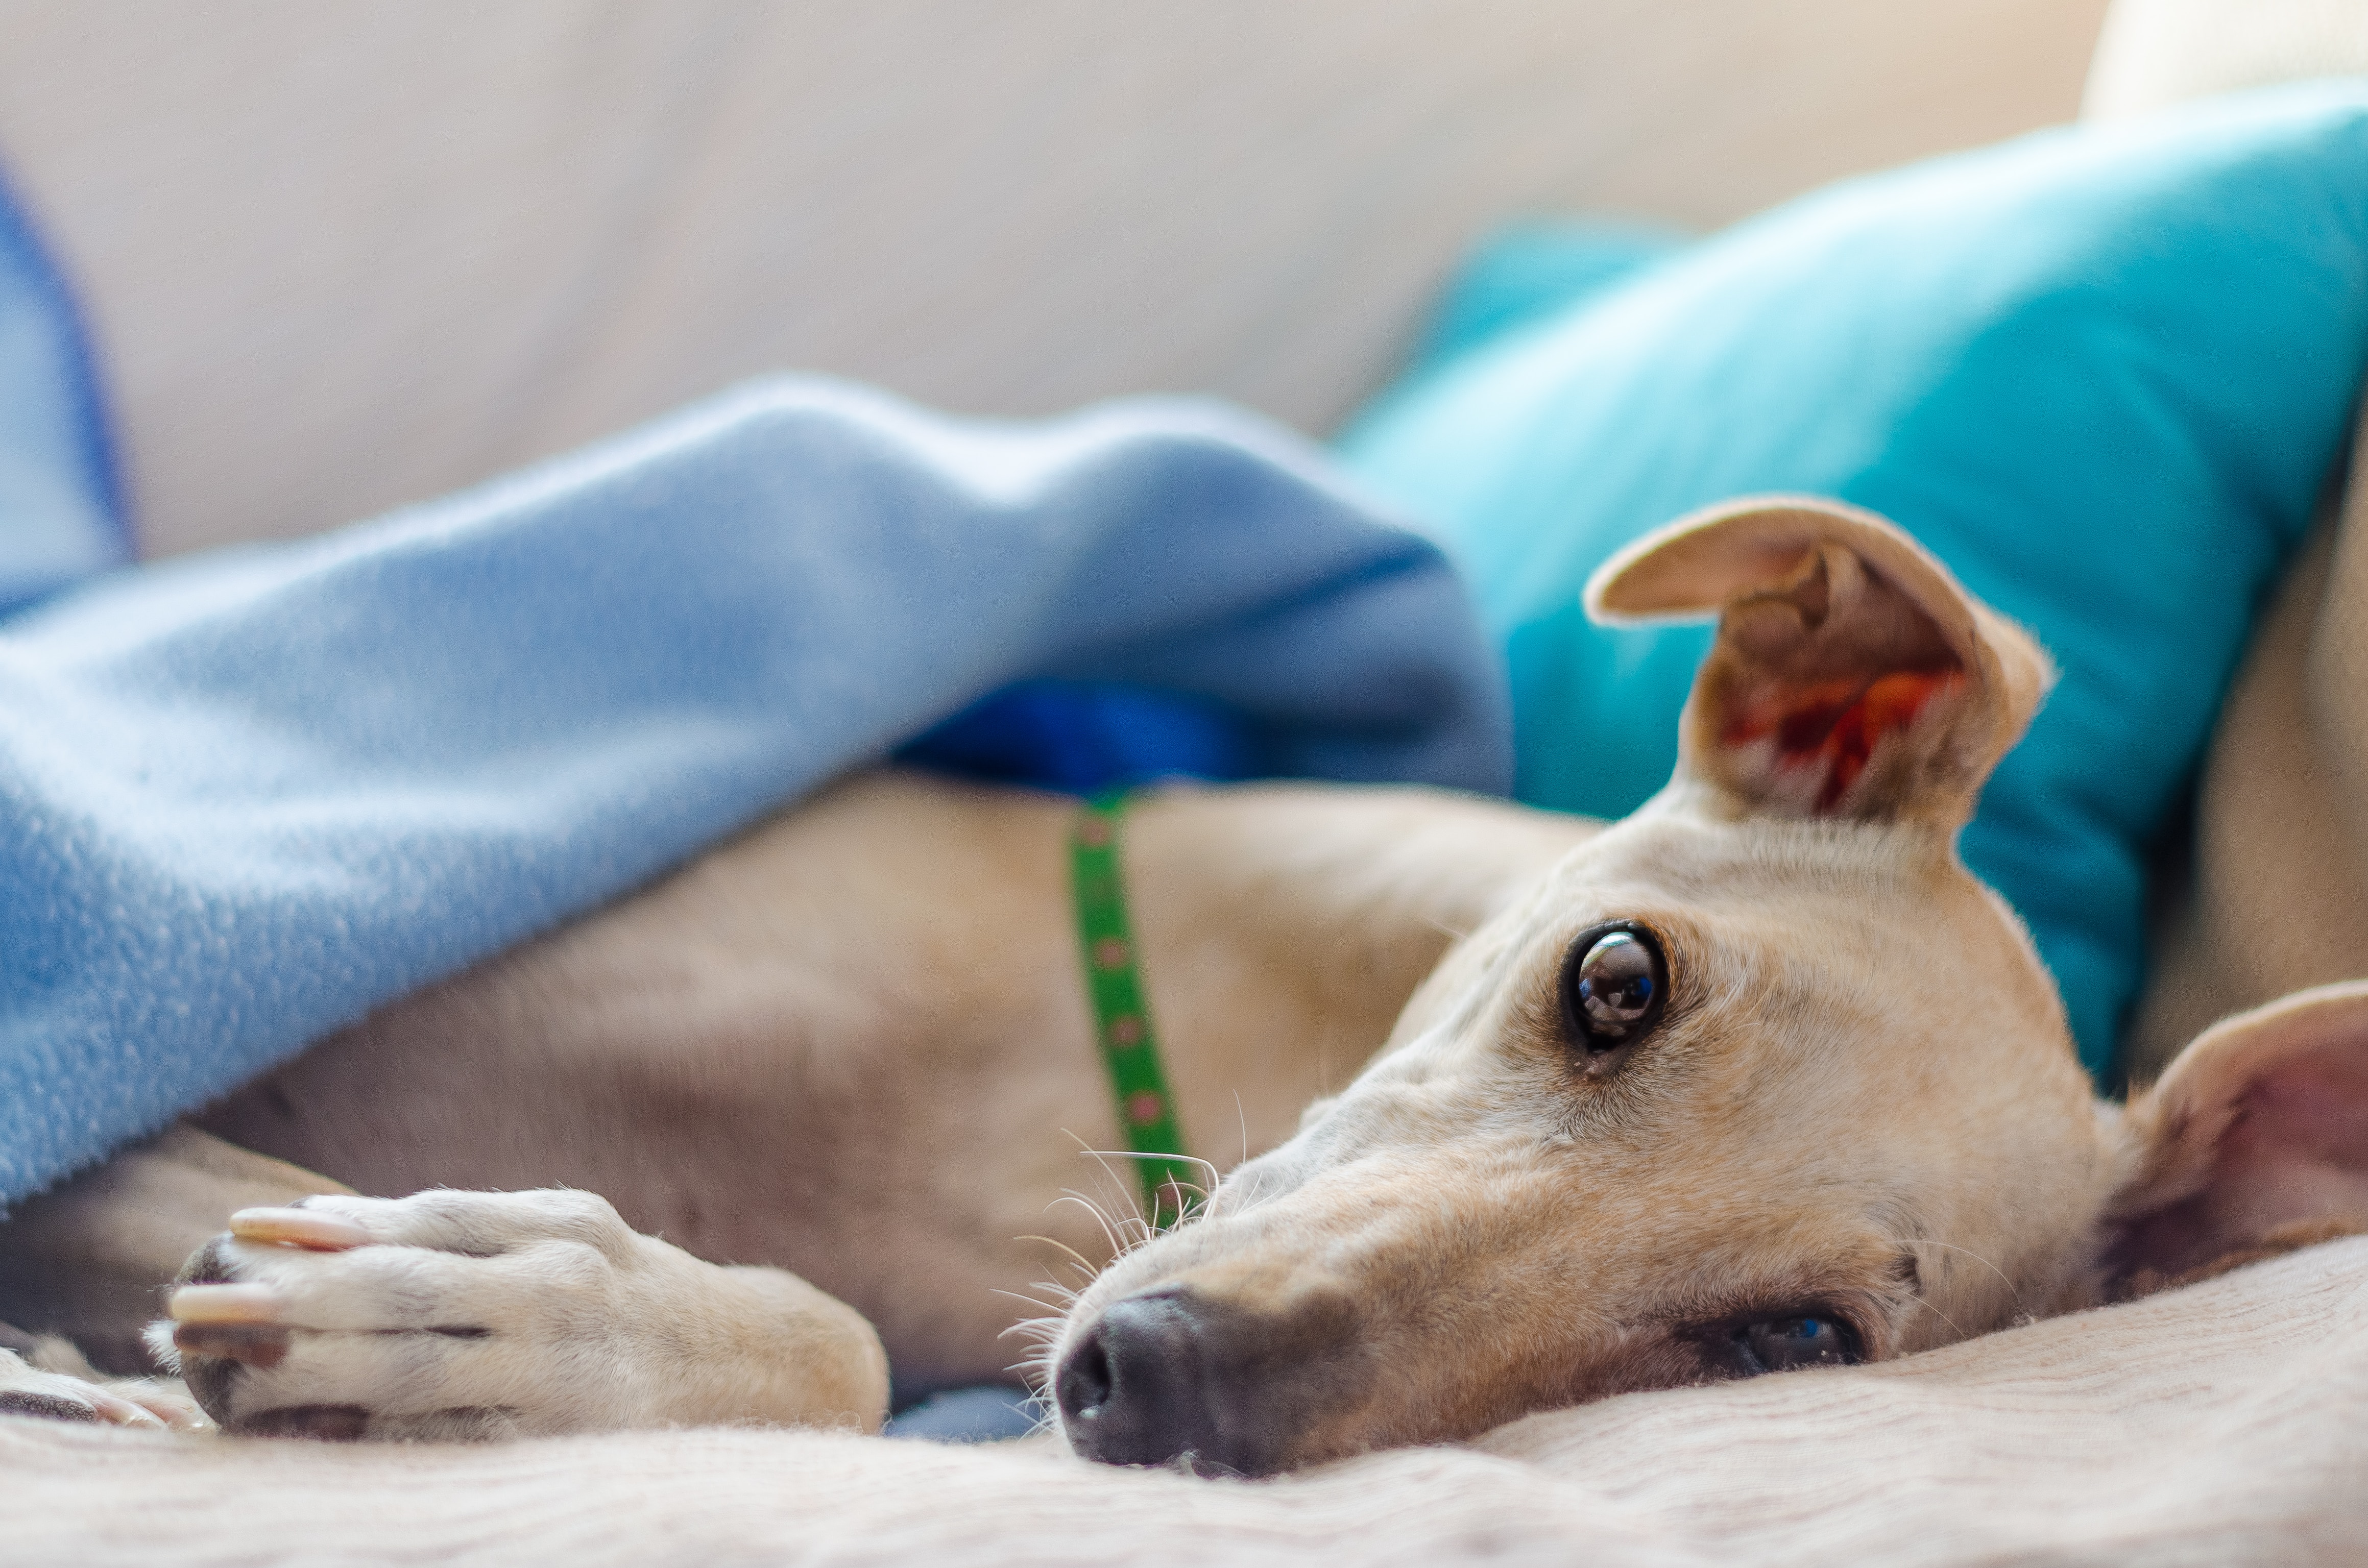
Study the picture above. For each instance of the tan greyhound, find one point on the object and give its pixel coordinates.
(1759, 1078)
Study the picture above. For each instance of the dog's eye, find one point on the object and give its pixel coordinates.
(1782, 1345)
(1613, 986)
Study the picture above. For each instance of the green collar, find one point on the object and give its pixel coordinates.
(1146, 1111)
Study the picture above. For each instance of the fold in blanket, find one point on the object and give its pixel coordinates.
(247, 797)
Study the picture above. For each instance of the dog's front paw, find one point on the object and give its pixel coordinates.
(463, 1315)
(445, 1314)
(27, 1390)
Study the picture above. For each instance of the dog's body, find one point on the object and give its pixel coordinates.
(853, 1044)
(1759, 1077)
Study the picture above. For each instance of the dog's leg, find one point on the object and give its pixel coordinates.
(482, 1315)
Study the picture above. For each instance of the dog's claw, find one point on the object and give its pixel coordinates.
(227, 1303)
(123, 1412)
(307, 1227)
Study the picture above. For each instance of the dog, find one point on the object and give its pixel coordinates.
(1534, 1109)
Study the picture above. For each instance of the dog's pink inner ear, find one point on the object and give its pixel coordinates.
(1811, 675)
(2281, 1152)
(1833, 725)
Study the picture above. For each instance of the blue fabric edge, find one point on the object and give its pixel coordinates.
(94, 427)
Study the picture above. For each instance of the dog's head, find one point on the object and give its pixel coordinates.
(1759, 1078)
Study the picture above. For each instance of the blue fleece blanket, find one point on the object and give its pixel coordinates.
(247, 797)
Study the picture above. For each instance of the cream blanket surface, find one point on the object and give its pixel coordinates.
(2217, 1424)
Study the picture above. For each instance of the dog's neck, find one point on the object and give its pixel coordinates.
(1282, 929)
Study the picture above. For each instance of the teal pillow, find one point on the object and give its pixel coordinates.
(2102, 372)
(1530, 269)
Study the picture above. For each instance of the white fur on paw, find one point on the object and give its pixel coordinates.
(458, 1315)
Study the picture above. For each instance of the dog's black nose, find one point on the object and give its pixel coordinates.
(1167, 1375)
(1135, 1389)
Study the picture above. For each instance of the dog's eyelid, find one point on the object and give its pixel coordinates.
(1838, 1305)
(1867, 1306)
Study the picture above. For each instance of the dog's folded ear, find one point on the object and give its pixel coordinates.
(2255, 1140)
(1852, 676)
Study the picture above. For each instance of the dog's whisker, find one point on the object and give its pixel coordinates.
(1042, 1330)
(1109, 1224)
(1126, 1212)
(2007, 1281)
(1130, 1218)
(1941, 1315)
(1039, 1378)
(1030, 1329)
(1063, 1291)
(1124, 1231)
(1109, 1189)
(1069, 1195)
(1082, 1262)
(1215, 1176)
(1023, 1296)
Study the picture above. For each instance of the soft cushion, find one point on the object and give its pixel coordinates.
(2102, 372)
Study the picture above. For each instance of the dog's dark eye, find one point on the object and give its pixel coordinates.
(1613, 986)
(1782, 1345)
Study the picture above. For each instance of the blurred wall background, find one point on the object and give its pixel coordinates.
(344, 256)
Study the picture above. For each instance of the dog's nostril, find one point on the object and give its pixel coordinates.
(1084, 1384)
